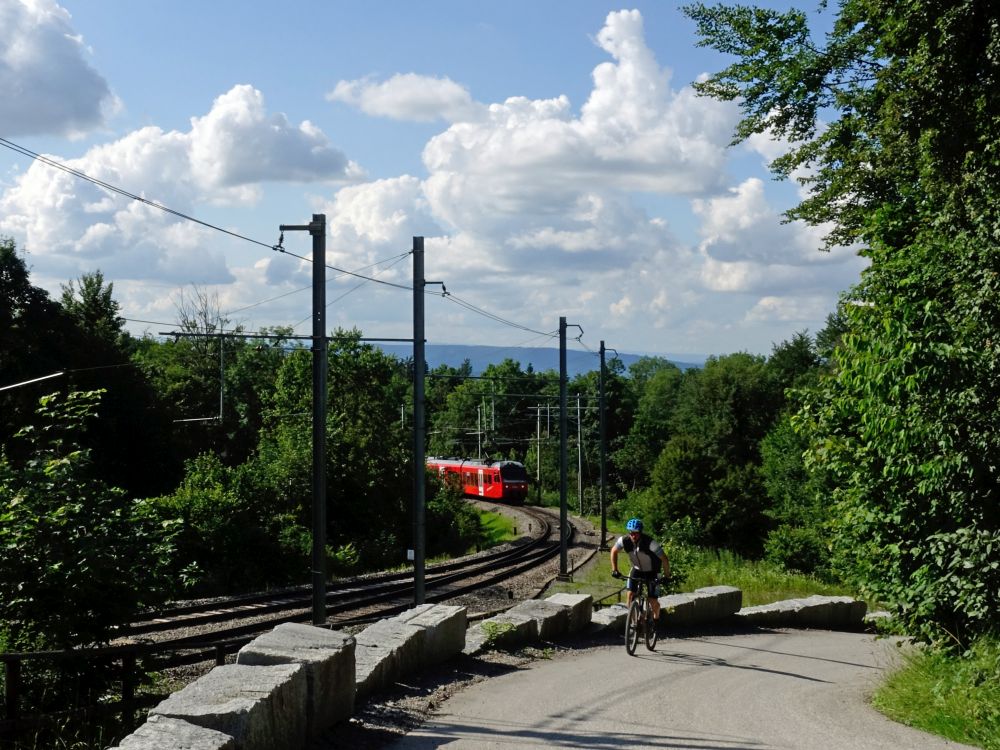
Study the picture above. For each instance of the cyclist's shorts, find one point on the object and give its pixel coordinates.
(633, 583)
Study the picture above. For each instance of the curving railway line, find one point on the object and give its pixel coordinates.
(348, 602)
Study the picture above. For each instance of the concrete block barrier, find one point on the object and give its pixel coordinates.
(328, 658)
(611, 618)
(261, 708)
(581, 609)
(831, 612)
(551, 619)
(506, 630)
(384, 652)
(397, 646)
(445, 627)
(166, 733)
(294, 682)
(716, 603)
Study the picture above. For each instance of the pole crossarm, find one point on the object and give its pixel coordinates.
(192, 334)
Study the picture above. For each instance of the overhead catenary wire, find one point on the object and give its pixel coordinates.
(173, 212)
(279, 247)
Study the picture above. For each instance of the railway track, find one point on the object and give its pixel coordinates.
(348, 602)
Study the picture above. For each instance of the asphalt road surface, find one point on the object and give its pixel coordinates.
(749, 691)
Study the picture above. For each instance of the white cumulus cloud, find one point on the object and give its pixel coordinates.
(238, 143)
(77, 226)
(46, 83)
(408, 96)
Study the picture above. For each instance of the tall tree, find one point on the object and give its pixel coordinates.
(33, 336)
(92, 305)
(651, 426)
(83, 339)
(894, 126)
(709, 468)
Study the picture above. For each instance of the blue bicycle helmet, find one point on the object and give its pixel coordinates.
(634, 524)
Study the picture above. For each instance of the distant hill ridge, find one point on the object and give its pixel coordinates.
(541, 359)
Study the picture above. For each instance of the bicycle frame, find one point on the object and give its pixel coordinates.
(640, 620)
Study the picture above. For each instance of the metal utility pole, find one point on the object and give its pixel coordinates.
(317, 228)
(419, 421)
(603, 437)
(563, 552)
(538, 446)
(563, 451)
(579, 454)
(419, 428)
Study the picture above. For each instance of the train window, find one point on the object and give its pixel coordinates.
(514, 471)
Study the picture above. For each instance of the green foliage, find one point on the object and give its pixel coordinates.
(904, 428)
(798, 503)
(956, 696)
(129, 438)
(232, 534)
(369, 465)
(497, 632)
(92, 305)
(708, 470)
(651, 426)
(906, 94)
(452, 525)
(71, 545)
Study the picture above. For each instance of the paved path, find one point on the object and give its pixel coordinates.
(759, 691)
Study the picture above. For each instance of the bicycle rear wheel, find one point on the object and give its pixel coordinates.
(649, 629)
(633, 624)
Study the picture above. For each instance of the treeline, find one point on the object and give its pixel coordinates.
(189, 460)
(154, 468)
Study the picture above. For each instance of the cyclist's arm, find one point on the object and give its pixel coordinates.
(666, 563)
(614, 559)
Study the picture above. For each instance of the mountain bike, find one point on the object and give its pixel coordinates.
(639, 623)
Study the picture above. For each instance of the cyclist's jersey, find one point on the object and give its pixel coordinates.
(645, 555)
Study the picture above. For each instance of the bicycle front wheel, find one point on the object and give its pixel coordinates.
(633, 624)
(650, 628)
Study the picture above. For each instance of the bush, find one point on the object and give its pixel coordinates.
(798, 550)
(451, 524)
(234, 534)
(70, 545)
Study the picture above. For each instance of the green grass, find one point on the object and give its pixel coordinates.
(761, 582)
(957, 697)
(495, 529)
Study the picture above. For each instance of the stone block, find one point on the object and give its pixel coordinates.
(611, 618)
(678, 609)
(508, 630)
(445, 627)
(260, 707)
(328, 658)
(719, 602)
(831, 612)
(700, 606)
(551, 619)
(386, 651)
(581, 609)
(166, 733)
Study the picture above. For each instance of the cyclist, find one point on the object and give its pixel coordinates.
(647, 557)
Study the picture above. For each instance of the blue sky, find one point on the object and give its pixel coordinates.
(553, 155)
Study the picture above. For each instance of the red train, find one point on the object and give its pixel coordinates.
(506, 481)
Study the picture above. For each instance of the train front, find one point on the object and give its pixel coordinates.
(514, 477)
